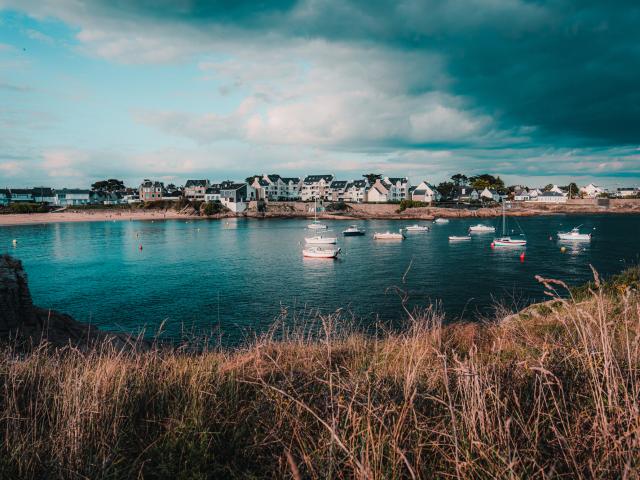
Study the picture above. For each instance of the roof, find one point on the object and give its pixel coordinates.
(316, 178)
(551, 194)
(73, 191)
(628, 188)
(232, 186)
(357, 184)
(43, 191)
(262, 182)
(196, 183)
(419, 192)
(213, 190)
(273, 177)
(20, 191)
(148, 183)
(290, 179)
(339, 184)
(395, 180)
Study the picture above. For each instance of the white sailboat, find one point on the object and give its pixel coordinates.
(316, 225)
(320, 240)
(574, 234)
(506, 240)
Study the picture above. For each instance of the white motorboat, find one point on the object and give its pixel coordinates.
(316, 225)
(320, 240)
(389, 235)
(480, 228)
(574, 234)
(353, 231)
(506, 240)
(417, 228)
(441, 220)
(319, 252)
(457, 238)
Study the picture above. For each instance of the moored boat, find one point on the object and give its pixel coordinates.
(506, 240)
(353, 231)
(320, 240)
(574, 234)
(417, 228)
(389, 235)
(319, 252)
(480, 228)
(458, 238)
(316, 225)
(441, 220)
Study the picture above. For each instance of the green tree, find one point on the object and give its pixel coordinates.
(572, 189)
(445, 189)
(459, 179)
(250, 179)
(111, 185)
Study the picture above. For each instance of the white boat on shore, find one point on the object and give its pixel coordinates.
(441, 220)
(417, 228)
(319, 252)
(574, 234)
(480, 228)
(320, 240)
(389, 236)
(457, 238)
(353, 231)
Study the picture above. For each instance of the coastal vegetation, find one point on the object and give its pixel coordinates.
(551, 391)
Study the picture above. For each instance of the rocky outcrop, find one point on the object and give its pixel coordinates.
(24, 323)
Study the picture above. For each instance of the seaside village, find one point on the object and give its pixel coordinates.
(371, 188)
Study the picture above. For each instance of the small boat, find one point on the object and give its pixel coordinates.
(353, 231)
(389, 235)
(318, 252)
(574, 234)
(506, 240)
(456, 238)
(480, 228)
(417, 228)
(441, 220)
(320, 240)
(316, 225)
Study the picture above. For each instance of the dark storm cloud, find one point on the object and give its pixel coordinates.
(569, 68)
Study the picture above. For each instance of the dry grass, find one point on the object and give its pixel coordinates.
(551, 392)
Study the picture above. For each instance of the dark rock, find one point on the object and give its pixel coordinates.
(23, 323)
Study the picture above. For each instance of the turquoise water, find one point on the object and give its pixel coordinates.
(238, 275)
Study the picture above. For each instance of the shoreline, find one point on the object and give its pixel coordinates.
(299, 210)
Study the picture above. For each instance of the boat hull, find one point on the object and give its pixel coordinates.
(316, 226)
(501, 242)
(320, 253)
(321, 241)
(388, 236)
(353, 234)
(459, 239)
(582, 237)
(417, 229)
(481, 229)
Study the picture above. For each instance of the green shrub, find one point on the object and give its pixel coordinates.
(213, 208)
(337, 207)
(404, 204)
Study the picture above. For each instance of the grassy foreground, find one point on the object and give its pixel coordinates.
(551, 392)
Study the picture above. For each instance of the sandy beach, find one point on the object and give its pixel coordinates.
(89, 216)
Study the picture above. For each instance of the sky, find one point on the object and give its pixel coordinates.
(536, 92)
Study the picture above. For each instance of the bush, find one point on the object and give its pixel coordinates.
(27, 208)
(213, 208)
(337, 207)
(404, 204)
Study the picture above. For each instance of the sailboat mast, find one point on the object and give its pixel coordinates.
(504, 220)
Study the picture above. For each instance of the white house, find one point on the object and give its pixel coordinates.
(487, 194)
(337, 190)
(291, 188)
(398, 188)
(552, 197)
(212, 194)
(592, 190)
(315, 187)
(534, 193)
(356, 191)
(628, 192)
(378, 193)
(522, 195)
(21, 195)
(68, 197)
(464, 194)
(195, 189)
(261, 187)
(557, 189)
(44, 195)
(236, 196)
(425, 192)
